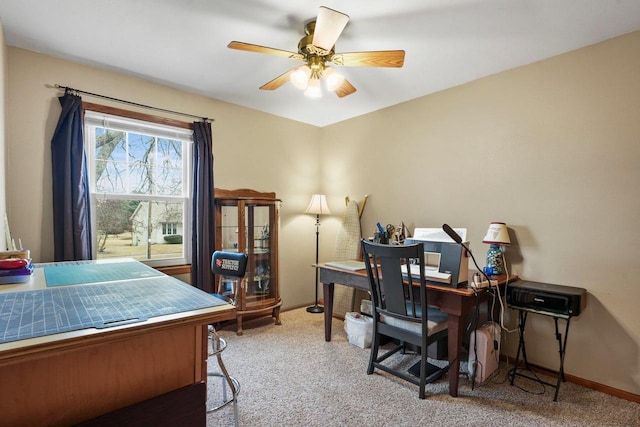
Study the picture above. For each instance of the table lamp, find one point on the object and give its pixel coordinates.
(317, 206)
(497, 237)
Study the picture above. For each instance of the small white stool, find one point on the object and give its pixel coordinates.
(218, 344)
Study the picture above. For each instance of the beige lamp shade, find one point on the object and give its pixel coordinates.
(318, 205)
(497, 234)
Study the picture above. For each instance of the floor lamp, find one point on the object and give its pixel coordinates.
(317, 206)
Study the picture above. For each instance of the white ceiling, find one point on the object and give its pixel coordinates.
(182, 43)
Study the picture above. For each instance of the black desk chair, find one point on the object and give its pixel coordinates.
(400, 310)
(225, 264)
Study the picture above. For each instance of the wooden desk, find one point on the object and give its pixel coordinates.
(69, 377)
(457, 303)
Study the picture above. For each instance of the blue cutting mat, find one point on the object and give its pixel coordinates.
(73, 273)
(50, 311)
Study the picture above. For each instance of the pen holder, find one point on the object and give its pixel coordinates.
(381, 237)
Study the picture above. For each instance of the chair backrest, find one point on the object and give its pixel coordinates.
(231, 264)
(400, 294)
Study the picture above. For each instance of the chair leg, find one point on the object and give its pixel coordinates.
(423, 373)
(373, 356)
(218, 345)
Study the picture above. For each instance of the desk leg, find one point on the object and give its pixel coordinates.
(456, 332)
(327, 291)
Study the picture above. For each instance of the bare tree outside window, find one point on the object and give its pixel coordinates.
(138, 183)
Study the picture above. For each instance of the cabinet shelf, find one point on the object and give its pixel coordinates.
(247, 221)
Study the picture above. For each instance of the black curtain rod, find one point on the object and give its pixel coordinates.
(70, 89)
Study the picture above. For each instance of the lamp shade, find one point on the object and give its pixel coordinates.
(318, 205)
(300, 77)
(497, 234)
(334, 79)
(313, 89)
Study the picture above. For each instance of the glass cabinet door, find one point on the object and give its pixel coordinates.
(258, 219)
(227, 233)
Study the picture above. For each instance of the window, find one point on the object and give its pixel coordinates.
(169, 228)
(139, 174)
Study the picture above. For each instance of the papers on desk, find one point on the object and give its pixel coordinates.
(429, 273)
(350, 265)
(437, 234)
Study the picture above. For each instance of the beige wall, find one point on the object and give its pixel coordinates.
(566, 131)
(251, 150)
(3, 132)
(553, 150)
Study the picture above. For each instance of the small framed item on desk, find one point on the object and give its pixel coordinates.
(557, 301)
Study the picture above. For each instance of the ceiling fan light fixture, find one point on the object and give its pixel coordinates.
(313, 89)
(333, 79)
(316, 49)
(300, 77)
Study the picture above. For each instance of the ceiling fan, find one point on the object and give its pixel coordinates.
(316, 49)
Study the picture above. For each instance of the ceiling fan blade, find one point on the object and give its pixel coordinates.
(278, 81)
(262, 49)
(380, 58)
(329, 26)
(345, 89)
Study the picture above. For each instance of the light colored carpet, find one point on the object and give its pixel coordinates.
(289, 376)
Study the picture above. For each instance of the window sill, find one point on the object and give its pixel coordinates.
(174, 270)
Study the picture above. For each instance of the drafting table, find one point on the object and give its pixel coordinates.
(83, 339)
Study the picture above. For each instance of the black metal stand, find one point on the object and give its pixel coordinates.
(316, 308)
(562, 345)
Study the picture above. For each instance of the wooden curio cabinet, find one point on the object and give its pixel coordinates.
(247, 221)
